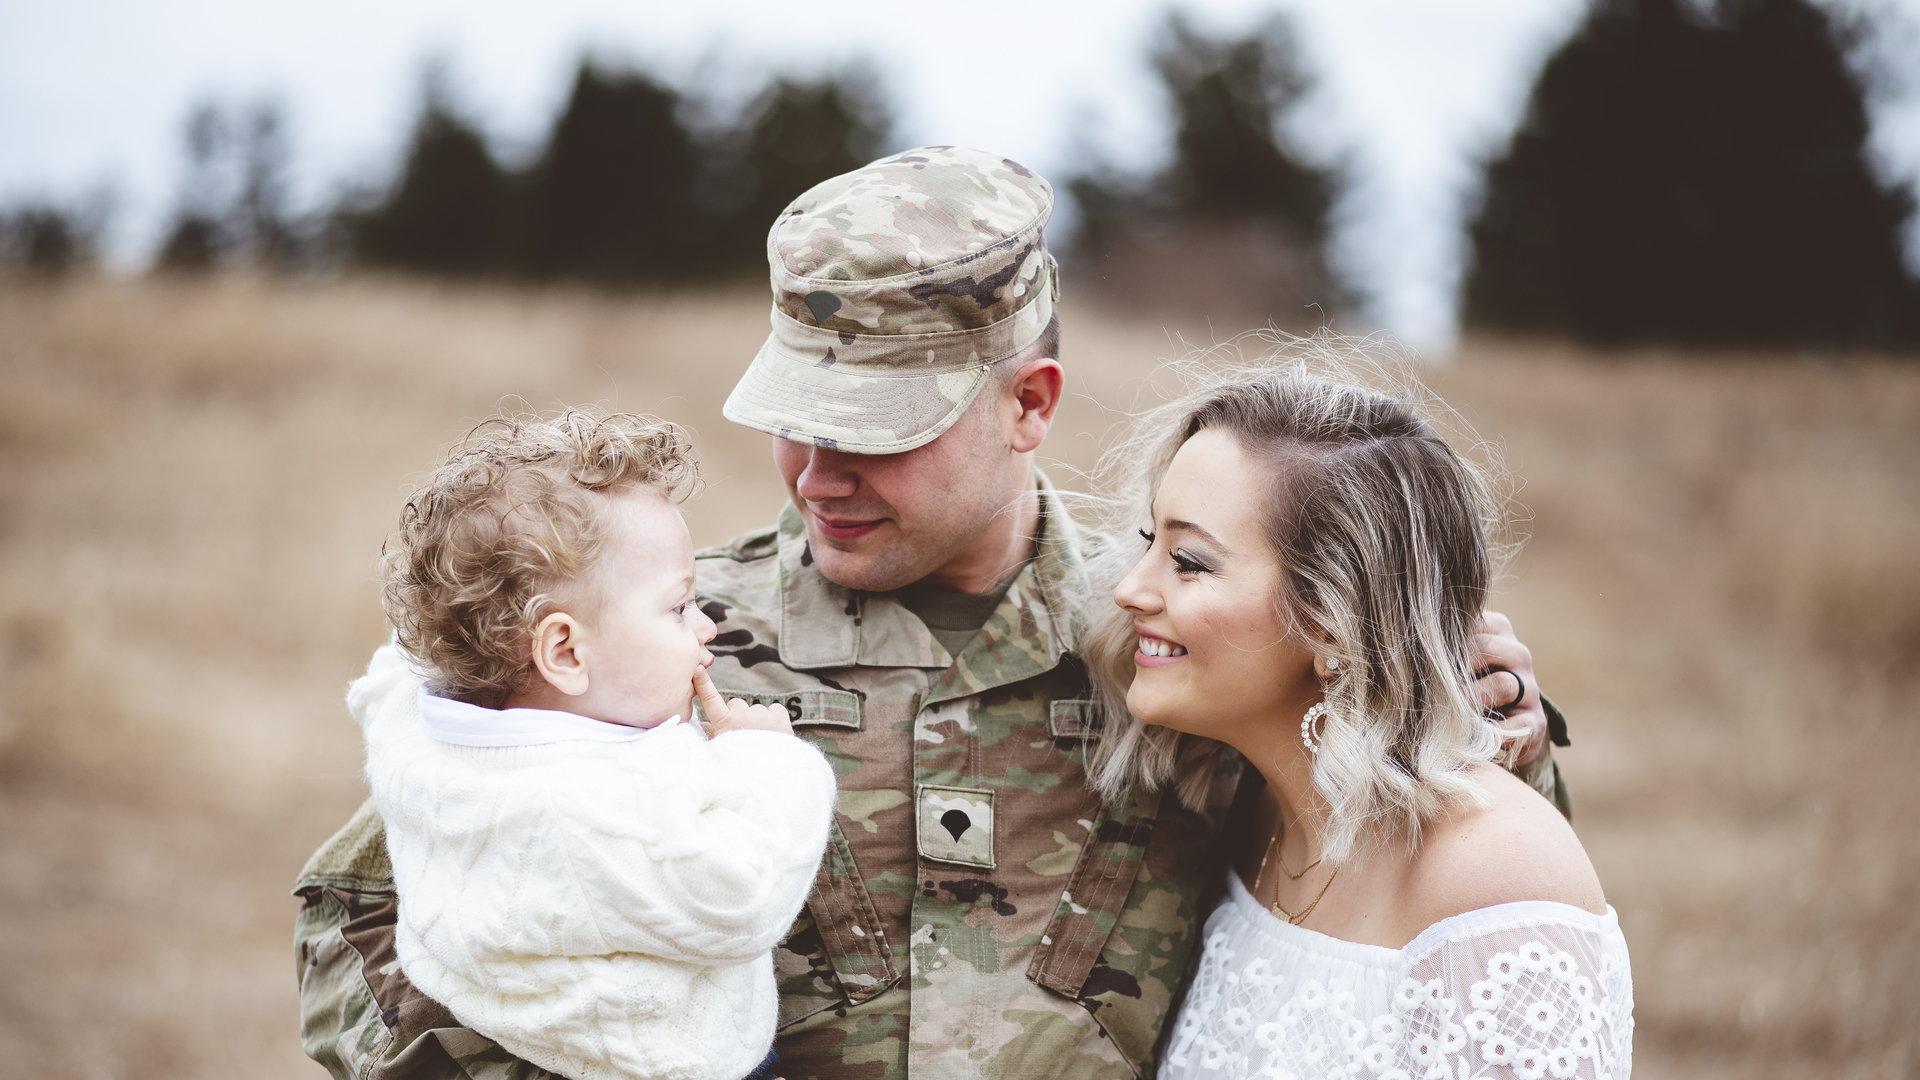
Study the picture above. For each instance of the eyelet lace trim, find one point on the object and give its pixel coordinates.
(1549, 999)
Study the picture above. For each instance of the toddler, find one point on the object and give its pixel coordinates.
(585, 876)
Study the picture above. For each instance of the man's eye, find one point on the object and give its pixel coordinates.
(1147, 536)
(1187, 565)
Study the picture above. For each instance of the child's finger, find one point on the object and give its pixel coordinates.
(711, 702)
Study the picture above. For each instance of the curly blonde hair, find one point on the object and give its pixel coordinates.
(504, 531)
(1388, 538)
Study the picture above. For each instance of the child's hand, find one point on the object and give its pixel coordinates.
(736, 715)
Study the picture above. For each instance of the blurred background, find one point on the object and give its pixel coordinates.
(261, 264)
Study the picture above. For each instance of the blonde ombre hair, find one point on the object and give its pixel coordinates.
(504, 532)
(1385, 538)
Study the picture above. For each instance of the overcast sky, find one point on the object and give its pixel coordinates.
(1411, 92)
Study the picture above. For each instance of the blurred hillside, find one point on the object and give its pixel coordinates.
(196, 476)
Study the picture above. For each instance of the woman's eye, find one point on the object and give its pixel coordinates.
(1187, 565)
(1147, 536)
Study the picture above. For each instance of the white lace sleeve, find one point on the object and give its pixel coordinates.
(1511, 992)
(1521, 990)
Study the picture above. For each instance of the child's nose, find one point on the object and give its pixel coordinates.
(704, 626)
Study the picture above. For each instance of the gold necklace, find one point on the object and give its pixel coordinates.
(1280, 912)
(1291, 876)
(1296, 920)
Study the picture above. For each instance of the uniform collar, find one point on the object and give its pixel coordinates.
(824, 625)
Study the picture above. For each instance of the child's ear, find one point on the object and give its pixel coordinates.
(557, 653)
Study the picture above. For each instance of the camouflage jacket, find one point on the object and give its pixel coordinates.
(979, 912)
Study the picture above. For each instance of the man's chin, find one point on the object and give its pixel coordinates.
(870, 564)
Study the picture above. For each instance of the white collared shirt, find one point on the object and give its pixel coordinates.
(463, 724)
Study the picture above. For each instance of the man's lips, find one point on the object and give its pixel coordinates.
(842, 528)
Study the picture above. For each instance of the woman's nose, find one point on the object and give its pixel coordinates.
(1134, 593)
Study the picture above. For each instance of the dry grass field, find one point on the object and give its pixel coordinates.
(1722, 588)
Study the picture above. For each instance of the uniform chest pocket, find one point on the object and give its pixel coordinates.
(819, 706)
(1073, 720)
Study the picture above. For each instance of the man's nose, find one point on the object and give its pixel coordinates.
(829, 475)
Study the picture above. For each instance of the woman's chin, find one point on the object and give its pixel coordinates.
(1149, 708)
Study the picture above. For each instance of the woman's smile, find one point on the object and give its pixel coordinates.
(1157, 649)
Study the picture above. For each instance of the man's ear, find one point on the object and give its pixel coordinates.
(558, 653)
(1035, 390)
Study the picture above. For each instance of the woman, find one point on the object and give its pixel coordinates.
(1398, 906)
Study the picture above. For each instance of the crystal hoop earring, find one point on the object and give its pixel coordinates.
(1308, 736)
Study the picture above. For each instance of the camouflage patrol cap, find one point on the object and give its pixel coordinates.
(896, 287)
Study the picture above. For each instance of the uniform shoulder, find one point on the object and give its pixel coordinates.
(739, 587)
(355, 857)
(745, 548)
(1517, 847)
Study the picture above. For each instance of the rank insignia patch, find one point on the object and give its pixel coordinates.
(955, 825)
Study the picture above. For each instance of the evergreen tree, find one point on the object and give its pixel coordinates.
(47, 238)
(233, 204)
(1238, 220)
(612, 198)
(261, 214)
(1229, 163)
(449, 213)
(623, 192)
(198, 238)
(795, 135)
(1694, 177)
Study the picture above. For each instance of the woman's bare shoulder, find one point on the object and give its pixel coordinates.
(1518, 847)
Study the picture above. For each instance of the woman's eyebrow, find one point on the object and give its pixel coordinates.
(1198, 530)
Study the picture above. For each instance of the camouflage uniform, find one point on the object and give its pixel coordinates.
(978, 912)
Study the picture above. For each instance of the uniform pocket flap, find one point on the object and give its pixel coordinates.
(818, 705)
(1073, 719)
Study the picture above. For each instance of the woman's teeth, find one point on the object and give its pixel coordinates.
(1157, 647)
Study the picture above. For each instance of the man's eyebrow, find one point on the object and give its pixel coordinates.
(1198, 530)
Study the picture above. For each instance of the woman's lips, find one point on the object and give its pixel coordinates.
(844, 529)
(1157, 651)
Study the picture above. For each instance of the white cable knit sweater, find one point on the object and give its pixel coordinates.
(600, 909)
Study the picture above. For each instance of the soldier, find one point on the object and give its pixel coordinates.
(979, 911)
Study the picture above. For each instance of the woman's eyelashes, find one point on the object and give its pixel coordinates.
(1187, 564)
(1182, 562)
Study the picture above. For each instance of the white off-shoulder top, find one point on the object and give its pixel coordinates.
(1526, 990)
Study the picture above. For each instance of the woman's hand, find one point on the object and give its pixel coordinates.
(736, 715)
(1507, 687)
